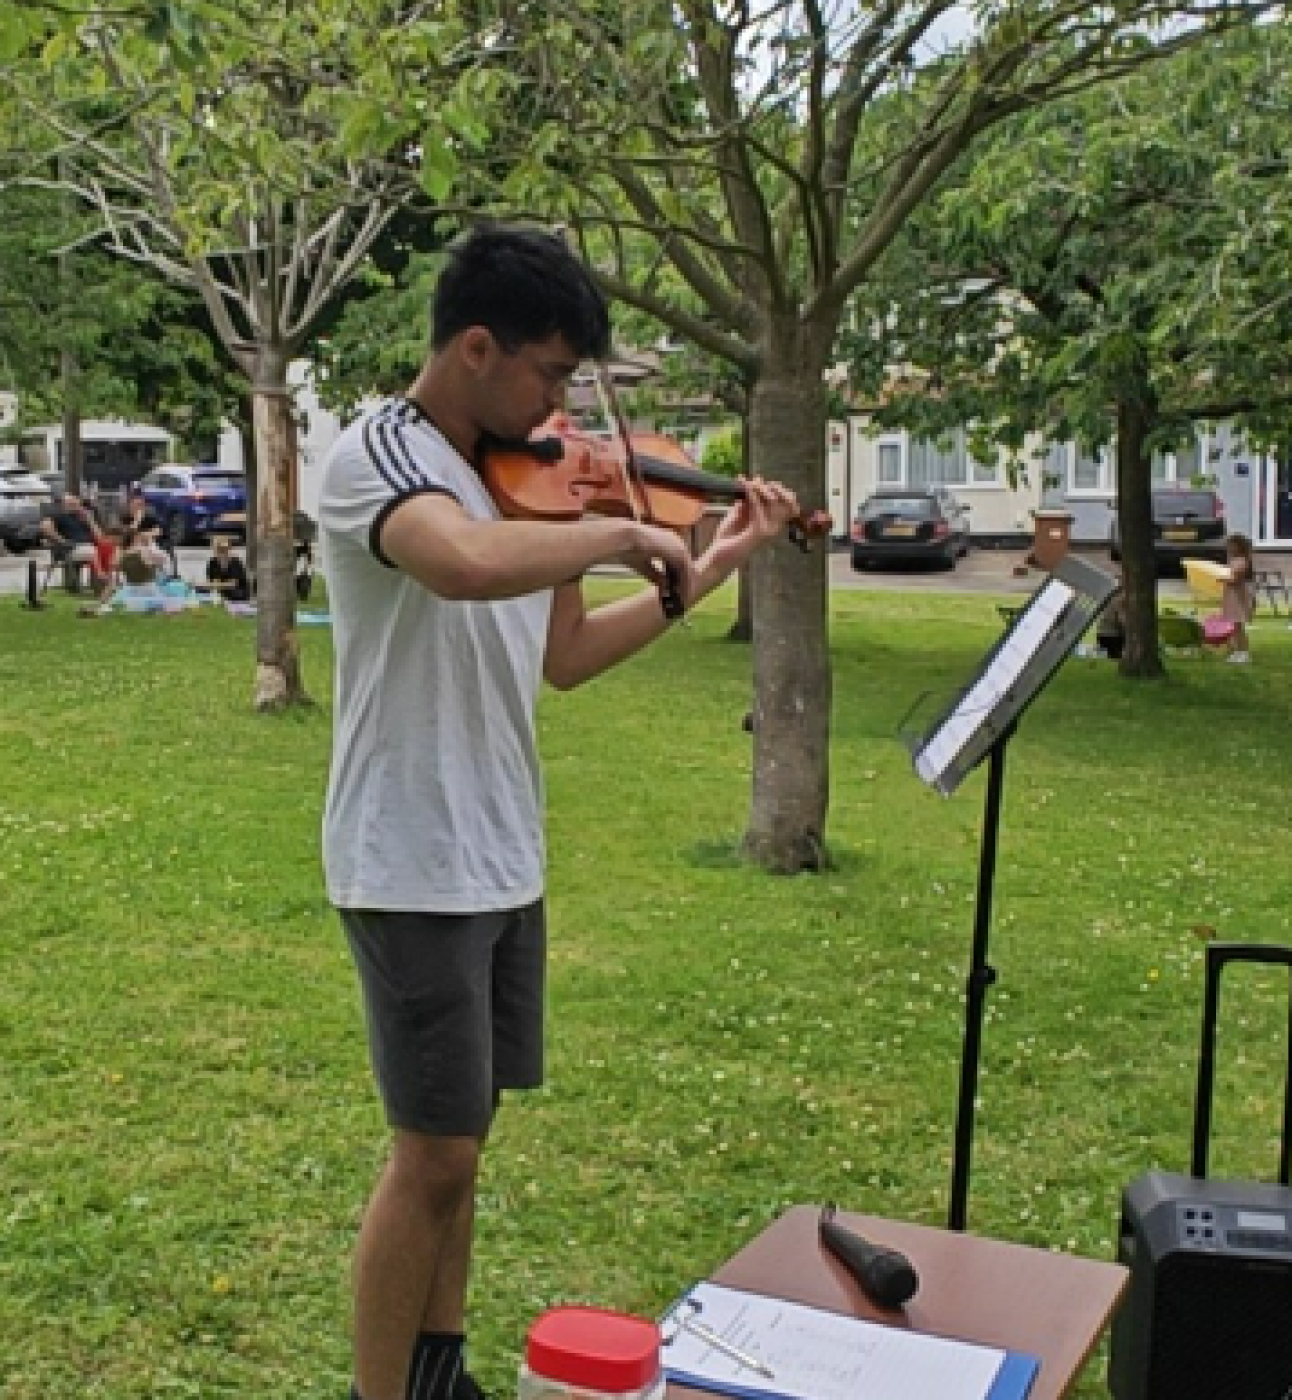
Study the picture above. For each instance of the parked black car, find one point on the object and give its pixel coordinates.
(910, 523)
(1188, 523)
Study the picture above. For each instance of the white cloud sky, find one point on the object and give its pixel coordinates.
(953, 28)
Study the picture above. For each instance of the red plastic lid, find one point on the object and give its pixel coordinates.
(594, 1347)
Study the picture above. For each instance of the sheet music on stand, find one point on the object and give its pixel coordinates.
(1032, 648)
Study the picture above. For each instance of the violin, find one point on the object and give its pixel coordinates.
(563, 473)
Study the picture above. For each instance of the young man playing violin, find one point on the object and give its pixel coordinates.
(447, 618)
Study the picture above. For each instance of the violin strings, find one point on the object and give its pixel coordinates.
(614, 416)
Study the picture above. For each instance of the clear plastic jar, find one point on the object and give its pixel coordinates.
(581, 1353)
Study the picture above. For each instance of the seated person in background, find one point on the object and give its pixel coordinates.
(304, 570)
(141, 517)
(73, 534)
(139, 514)
(226, 573)
(142, 561)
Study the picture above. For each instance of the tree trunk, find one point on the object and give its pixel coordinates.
(786, 831)
(246, 427)
(742, 629)
(73, 462)
(1136, 415)
(278, 677)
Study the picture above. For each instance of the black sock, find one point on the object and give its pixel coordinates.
(437, 1362)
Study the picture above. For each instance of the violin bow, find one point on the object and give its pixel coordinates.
(670, 596)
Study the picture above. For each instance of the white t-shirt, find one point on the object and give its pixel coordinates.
(435, 797)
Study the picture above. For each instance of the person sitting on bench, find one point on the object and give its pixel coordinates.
(73, 534)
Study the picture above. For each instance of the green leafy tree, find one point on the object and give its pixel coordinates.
(230, 148)
(375, 335)
(769, 156)
(1100, 273)
(724, 454)
(139, 347)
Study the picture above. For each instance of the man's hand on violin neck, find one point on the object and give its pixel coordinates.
(770, 506)
(767, 508)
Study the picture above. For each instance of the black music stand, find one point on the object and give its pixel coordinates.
(979, 724)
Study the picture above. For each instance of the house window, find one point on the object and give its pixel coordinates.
(901, 460)
(1165, 469)
(888, 452)
(1093, 471)
(984, 473)
(938, 463)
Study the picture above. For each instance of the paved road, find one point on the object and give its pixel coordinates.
(981, 571)
(984, 571)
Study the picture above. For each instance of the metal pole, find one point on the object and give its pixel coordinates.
(981, 977)
(32, 598)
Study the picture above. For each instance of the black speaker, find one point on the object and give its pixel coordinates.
(1208, 1309)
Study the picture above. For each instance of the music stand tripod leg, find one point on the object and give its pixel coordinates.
(981, 976)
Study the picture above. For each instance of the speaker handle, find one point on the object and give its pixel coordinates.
(1218, 956)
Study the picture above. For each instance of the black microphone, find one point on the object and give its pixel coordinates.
(887, 1277)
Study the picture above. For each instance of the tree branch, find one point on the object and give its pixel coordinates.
(714, 64)
(719, 298)
(727, 347)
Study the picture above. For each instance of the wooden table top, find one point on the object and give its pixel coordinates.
(1011, 1296)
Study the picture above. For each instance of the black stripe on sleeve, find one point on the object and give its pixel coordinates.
(379, 520)
(389, 452)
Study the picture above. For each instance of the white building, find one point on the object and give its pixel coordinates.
(1256, 487)
(114, 453)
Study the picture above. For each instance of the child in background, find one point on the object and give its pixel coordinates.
(1238, 601)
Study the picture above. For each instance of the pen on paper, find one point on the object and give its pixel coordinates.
(707, 1334)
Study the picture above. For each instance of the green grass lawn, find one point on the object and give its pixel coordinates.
(187, 1127)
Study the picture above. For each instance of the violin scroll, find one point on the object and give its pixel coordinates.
(803, 529)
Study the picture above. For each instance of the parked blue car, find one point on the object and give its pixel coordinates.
(188, 500)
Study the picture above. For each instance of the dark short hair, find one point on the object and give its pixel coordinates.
(523, 285)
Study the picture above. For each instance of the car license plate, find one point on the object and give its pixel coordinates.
(904, 531)
(1179, 534)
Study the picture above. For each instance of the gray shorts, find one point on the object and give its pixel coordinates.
(454, 1006)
